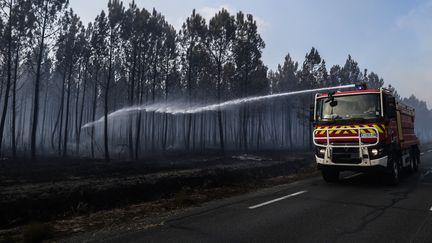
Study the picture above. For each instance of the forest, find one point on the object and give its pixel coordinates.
(57, 75)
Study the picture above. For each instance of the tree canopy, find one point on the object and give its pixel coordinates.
(57, 75)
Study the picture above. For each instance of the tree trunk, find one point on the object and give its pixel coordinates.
(92, 133)
(14, 90)
(42, 133)
(66, 131)
(8, 81)
(61, 111)
(131, 103)
(36, 88)
(219, 112)
(81, 112)
(107, 87)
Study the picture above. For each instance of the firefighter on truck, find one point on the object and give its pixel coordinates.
(364, 130)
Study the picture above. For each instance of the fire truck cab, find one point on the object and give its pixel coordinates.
(364, 130)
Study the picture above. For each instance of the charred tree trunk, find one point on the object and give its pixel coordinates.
(131, 103)
(219, 112)
(14, 90)
(8, 80)
(107, 87)
(37, 85)
(81, 113)
(61, 112)
(42, 133)
(66, 130)
(92, 133)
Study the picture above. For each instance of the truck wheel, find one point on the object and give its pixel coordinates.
(330, 175)
(411, 166)
(414, 161)
(394, 173)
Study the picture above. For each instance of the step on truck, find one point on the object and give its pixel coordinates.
(364, 130)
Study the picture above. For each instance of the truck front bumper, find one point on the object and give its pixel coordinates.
(367, 165)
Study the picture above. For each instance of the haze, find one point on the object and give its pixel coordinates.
(391, 38)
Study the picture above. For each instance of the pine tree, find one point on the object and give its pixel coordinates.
(192, 43)
(309, 73)
(46, 14)
(335, 76)
(115, 15)
(99, 45)
(285, 78)
(247, 50)
(69, 51)
(374, 81)
(350, 73)
(220, 40)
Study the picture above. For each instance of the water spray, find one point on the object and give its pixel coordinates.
(174, 109)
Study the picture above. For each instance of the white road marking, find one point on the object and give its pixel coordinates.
(430, 150)
(421, 153)
(427, 173)
(351, 176)
(430, 209)
(276, 200)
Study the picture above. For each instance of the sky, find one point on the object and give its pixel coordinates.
(390, 37)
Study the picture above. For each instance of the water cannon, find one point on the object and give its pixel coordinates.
(361, 86)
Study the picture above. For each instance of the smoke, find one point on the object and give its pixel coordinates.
(179, 108)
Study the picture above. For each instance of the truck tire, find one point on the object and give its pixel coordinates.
(411, 167)
(330, 175)
(414, 161)
(394, 172)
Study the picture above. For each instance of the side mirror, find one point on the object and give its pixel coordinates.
(333, 103)
(312, 113)
(391, 107)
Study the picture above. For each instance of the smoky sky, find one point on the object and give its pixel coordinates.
(391, 38)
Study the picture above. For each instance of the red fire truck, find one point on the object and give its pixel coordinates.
(364, 130)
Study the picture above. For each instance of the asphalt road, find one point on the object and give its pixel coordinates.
(361, 208)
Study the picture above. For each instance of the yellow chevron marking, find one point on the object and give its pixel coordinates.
(339, 131)
(332, 129)
(323, 131)
(378, 128)
(361, 130)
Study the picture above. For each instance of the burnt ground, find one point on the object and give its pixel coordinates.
(64, 197)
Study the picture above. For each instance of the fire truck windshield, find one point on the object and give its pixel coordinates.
(349, 107)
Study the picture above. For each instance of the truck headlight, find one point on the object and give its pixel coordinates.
(320, 152)
(376, 153)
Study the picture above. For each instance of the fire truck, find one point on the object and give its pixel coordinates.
(364, 130)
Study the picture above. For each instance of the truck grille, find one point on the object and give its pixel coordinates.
(346, 156)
